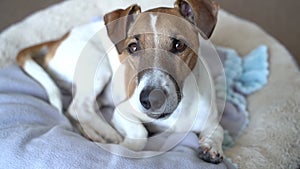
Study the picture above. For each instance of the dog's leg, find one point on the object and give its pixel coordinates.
(39, 74)
(92, 125)
(134, 132)
(83, 110)
(211, 145)
(211, 138)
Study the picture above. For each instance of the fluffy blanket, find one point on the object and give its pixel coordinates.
(34, 134)
(35, 131)
(271, 139)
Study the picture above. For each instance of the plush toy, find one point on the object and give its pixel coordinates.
(244, 76)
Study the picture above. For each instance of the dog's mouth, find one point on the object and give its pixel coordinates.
(159, 116)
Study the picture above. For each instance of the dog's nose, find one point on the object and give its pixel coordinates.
(153, 98)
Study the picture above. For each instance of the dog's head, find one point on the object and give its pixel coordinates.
(160, 49)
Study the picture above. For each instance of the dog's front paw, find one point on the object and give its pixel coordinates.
(106, 135)
(210, 152)
(90, 125)
(134, 144)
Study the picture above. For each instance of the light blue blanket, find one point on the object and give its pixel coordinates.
(244, 76)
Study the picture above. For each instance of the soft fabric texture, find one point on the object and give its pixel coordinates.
(271, 139)
(24, 105)
(243, 76)
(35, 135)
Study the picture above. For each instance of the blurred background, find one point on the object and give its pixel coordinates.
(277, 17)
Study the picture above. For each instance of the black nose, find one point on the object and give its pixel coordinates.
(153, 98)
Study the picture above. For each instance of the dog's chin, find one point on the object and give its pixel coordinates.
(159, 116)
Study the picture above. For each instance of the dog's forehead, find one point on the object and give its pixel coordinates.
(162, 21)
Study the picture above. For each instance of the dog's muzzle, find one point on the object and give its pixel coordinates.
(160, 94)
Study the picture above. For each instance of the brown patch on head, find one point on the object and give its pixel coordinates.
(202, 13)
(156, 47)
(160, 30)
(154, 33)
(118, 22)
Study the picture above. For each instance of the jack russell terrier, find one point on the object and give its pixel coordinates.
(159, 51)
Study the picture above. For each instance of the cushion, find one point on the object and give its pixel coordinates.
(271, 139)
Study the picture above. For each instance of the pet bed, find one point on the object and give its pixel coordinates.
(271, 139)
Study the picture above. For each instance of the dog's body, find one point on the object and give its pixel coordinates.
(161, 74)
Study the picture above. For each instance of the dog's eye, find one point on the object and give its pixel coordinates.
(178, 46)
(132, 47)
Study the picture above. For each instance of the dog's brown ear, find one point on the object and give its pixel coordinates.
(118, 23)
(201, 13)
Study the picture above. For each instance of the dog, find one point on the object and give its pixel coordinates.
(158, 49)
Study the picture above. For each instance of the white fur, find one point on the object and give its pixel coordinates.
(153, 21)
(67, 54)
(189, 115)
(39, 74)
(81, 62)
